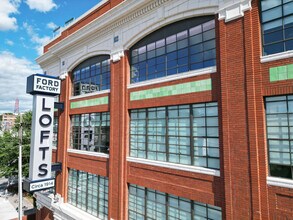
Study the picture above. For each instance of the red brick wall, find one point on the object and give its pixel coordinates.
(44, 214)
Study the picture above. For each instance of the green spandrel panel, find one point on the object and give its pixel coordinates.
(183, 88)
(290, 71)
(90, 102)
(280, 73)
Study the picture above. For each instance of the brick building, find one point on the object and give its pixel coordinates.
(174, 110)
(8, 120)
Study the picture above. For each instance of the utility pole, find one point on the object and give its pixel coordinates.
(20, 169)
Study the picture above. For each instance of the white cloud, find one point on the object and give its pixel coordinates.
(13, 74)
(41, 5)
(9, 42)
(38, 41)
(51, 25)
(8, 8)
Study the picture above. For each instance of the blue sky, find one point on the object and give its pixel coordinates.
(25, 25)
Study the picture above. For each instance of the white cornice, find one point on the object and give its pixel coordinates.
(125, 17)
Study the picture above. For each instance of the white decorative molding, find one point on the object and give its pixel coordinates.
(277, 56)
(234, 10)
(84, 56)
(90, 94)
(63, 75)
(65, 211)
(43, 198)
(116, 56)
(61, 210)
(192, 73)
(88, 153)
(130, 19)
(275, 181)
(182, 167)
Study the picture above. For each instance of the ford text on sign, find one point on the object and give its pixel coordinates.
(42, 84)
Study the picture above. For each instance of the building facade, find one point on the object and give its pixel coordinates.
(8, 120)
(174, 110)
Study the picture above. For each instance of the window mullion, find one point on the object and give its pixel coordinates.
(146, 134)
(86, 198)
(191, 135)
(167, 134)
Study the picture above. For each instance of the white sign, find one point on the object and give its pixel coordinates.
(41, 140)
(42, 185)
(46, 85)
(87, 88)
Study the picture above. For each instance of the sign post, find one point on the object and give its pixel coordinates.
(43, 88)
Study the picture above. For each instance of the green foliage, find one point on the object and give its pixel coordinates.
(9, 148)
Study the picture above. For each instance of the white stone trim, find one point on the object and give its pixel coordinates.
(116, 56)
(88, 153)
(44, 199)
(275, 181)
(84, 56)
(276, 56)
(182, 167)
(63, 75)
(207, 70)
(65, 211)
(90, 94)
(234, 10)
(61, 210)
(131, 20)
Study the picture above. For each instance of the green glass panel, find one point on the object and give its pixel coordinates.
(90, 102)
(183, 88)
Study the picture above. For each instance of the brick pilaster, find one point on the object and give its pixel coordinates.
(63, 135)
(118, 139)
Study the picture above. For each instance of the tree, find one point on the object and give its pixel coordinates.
(9, 148)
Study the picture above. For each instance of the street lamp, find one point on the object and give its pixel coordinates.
(20, 169)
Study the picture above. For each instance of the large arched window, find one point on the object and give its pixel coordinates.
(176, 48)
(91, 75)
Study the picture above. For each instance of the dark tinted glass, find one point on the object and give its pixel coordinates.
(91, 75)
(172, 46)
(277, 22)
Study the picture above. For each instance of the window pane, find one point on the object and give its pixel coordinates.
(273, 37)
(272, 14)
(267, 4)
(273, 48)
(288, 8)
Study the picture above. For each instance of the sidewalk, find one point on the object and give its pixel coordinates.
(7, 211)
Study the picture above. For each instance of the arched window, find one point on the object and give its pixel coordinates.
(91, 75)
(176, 48)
